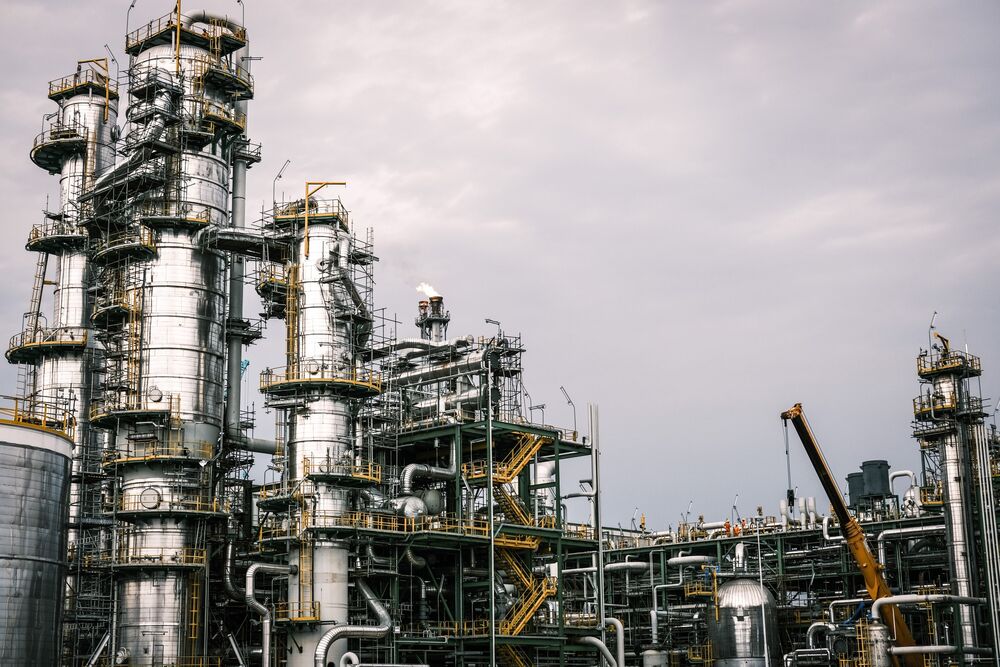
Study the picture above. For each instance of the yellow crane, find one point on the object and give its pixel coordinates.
(854, 536)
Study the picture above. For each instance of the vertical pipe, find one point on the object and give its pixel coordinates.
(234, 356)
(595, 464)
(489, 505)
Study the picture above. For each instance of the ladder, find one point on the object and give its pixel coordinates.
(305, 577)
(32, 317)
(194, 609)
(133, 364)
(513, 656)
(292, 318)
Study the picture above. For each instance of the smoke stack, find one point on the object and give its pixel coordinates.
(432, 318)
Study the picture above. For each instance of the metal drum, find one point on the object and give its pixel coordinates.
(744, 631)
(855, 487)
(876, 475)
(34, 492)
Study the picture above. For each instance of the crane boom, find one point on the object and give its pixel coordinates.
(854, 536)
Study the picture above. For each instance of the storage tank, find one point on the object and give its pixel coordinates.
(876, 475)
(855, 488)
(34, 495)
(744, 628)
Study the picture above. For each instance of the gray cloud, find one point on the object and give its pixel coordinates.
(696, 213)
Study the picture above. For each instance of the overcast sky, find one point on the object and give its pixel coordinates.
(696, 213)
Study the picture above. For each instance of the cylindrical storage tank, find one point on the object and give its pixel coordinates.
(653, 658)
(743, 628)
(34, 495)
(855, 487)
(879, 642)
(876, 475)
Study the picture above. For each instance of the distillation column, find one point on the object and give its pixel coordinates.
(947, 415)
(77, 144)
(163, 326)
(328, 322)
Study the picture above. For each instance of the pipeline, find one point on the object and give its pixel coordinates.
(264, 612)
(415, 470)
(593, 642)
(815, 629)
(913, 530)
(620, 639)
(235, 593)
(355, 631)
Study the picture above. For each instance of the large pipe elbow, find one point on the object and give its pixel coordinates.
(355, 631)
(593, 642)
(619, 639)
(232, 590)
(252, 571)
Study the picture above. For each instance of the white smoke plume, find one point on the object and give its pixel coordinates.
(427, 290)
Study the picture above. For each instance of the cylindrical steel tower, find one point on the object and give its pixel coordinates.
(162, 313)
(60, 352)
(328, 322)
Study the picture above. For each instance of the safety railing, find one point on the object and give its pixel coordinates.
(297, 612)
(239, 74)
(213, 111)
(156, 449)
(60, 132)
(62, 336)
(140, 238)
(319, 371)
(318, 208)
(958, 360)
(579, 531)
(149, 556)
(364, 470)
(53, 229)
(926, 405)
(931, 495)
(85, 77)
(166, 22)
(49, 417)
(281, 528)
(157, 503)
(463, 629)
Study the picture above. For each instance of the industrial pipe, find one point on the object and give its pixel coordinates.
(620, 641)
(814, 630)
(265, 613)
(415, 470)
(914, 599)
(826, 531)
(355, 631)
(101, 645)
(623, 567)
(912, 530)
(596, 643)
(232, 590)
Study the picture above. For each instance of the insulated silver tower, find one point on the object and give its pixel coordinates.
(328, 320)
(161, 312)
(948, 418)
(58, 353)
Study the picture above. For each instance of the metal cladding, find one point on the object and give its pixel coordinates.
(744, 629)
(34, 494)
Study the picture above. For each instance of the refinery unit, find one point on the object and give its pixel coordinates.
(411, 511)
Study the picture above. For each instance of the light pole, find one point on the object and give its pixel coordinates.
(274, 183)
(572, 405)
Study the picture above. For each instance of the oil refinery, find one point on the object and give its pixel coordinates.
(412, 510)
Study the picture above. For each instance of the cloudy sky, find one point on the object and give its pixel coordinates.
(696, 214)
